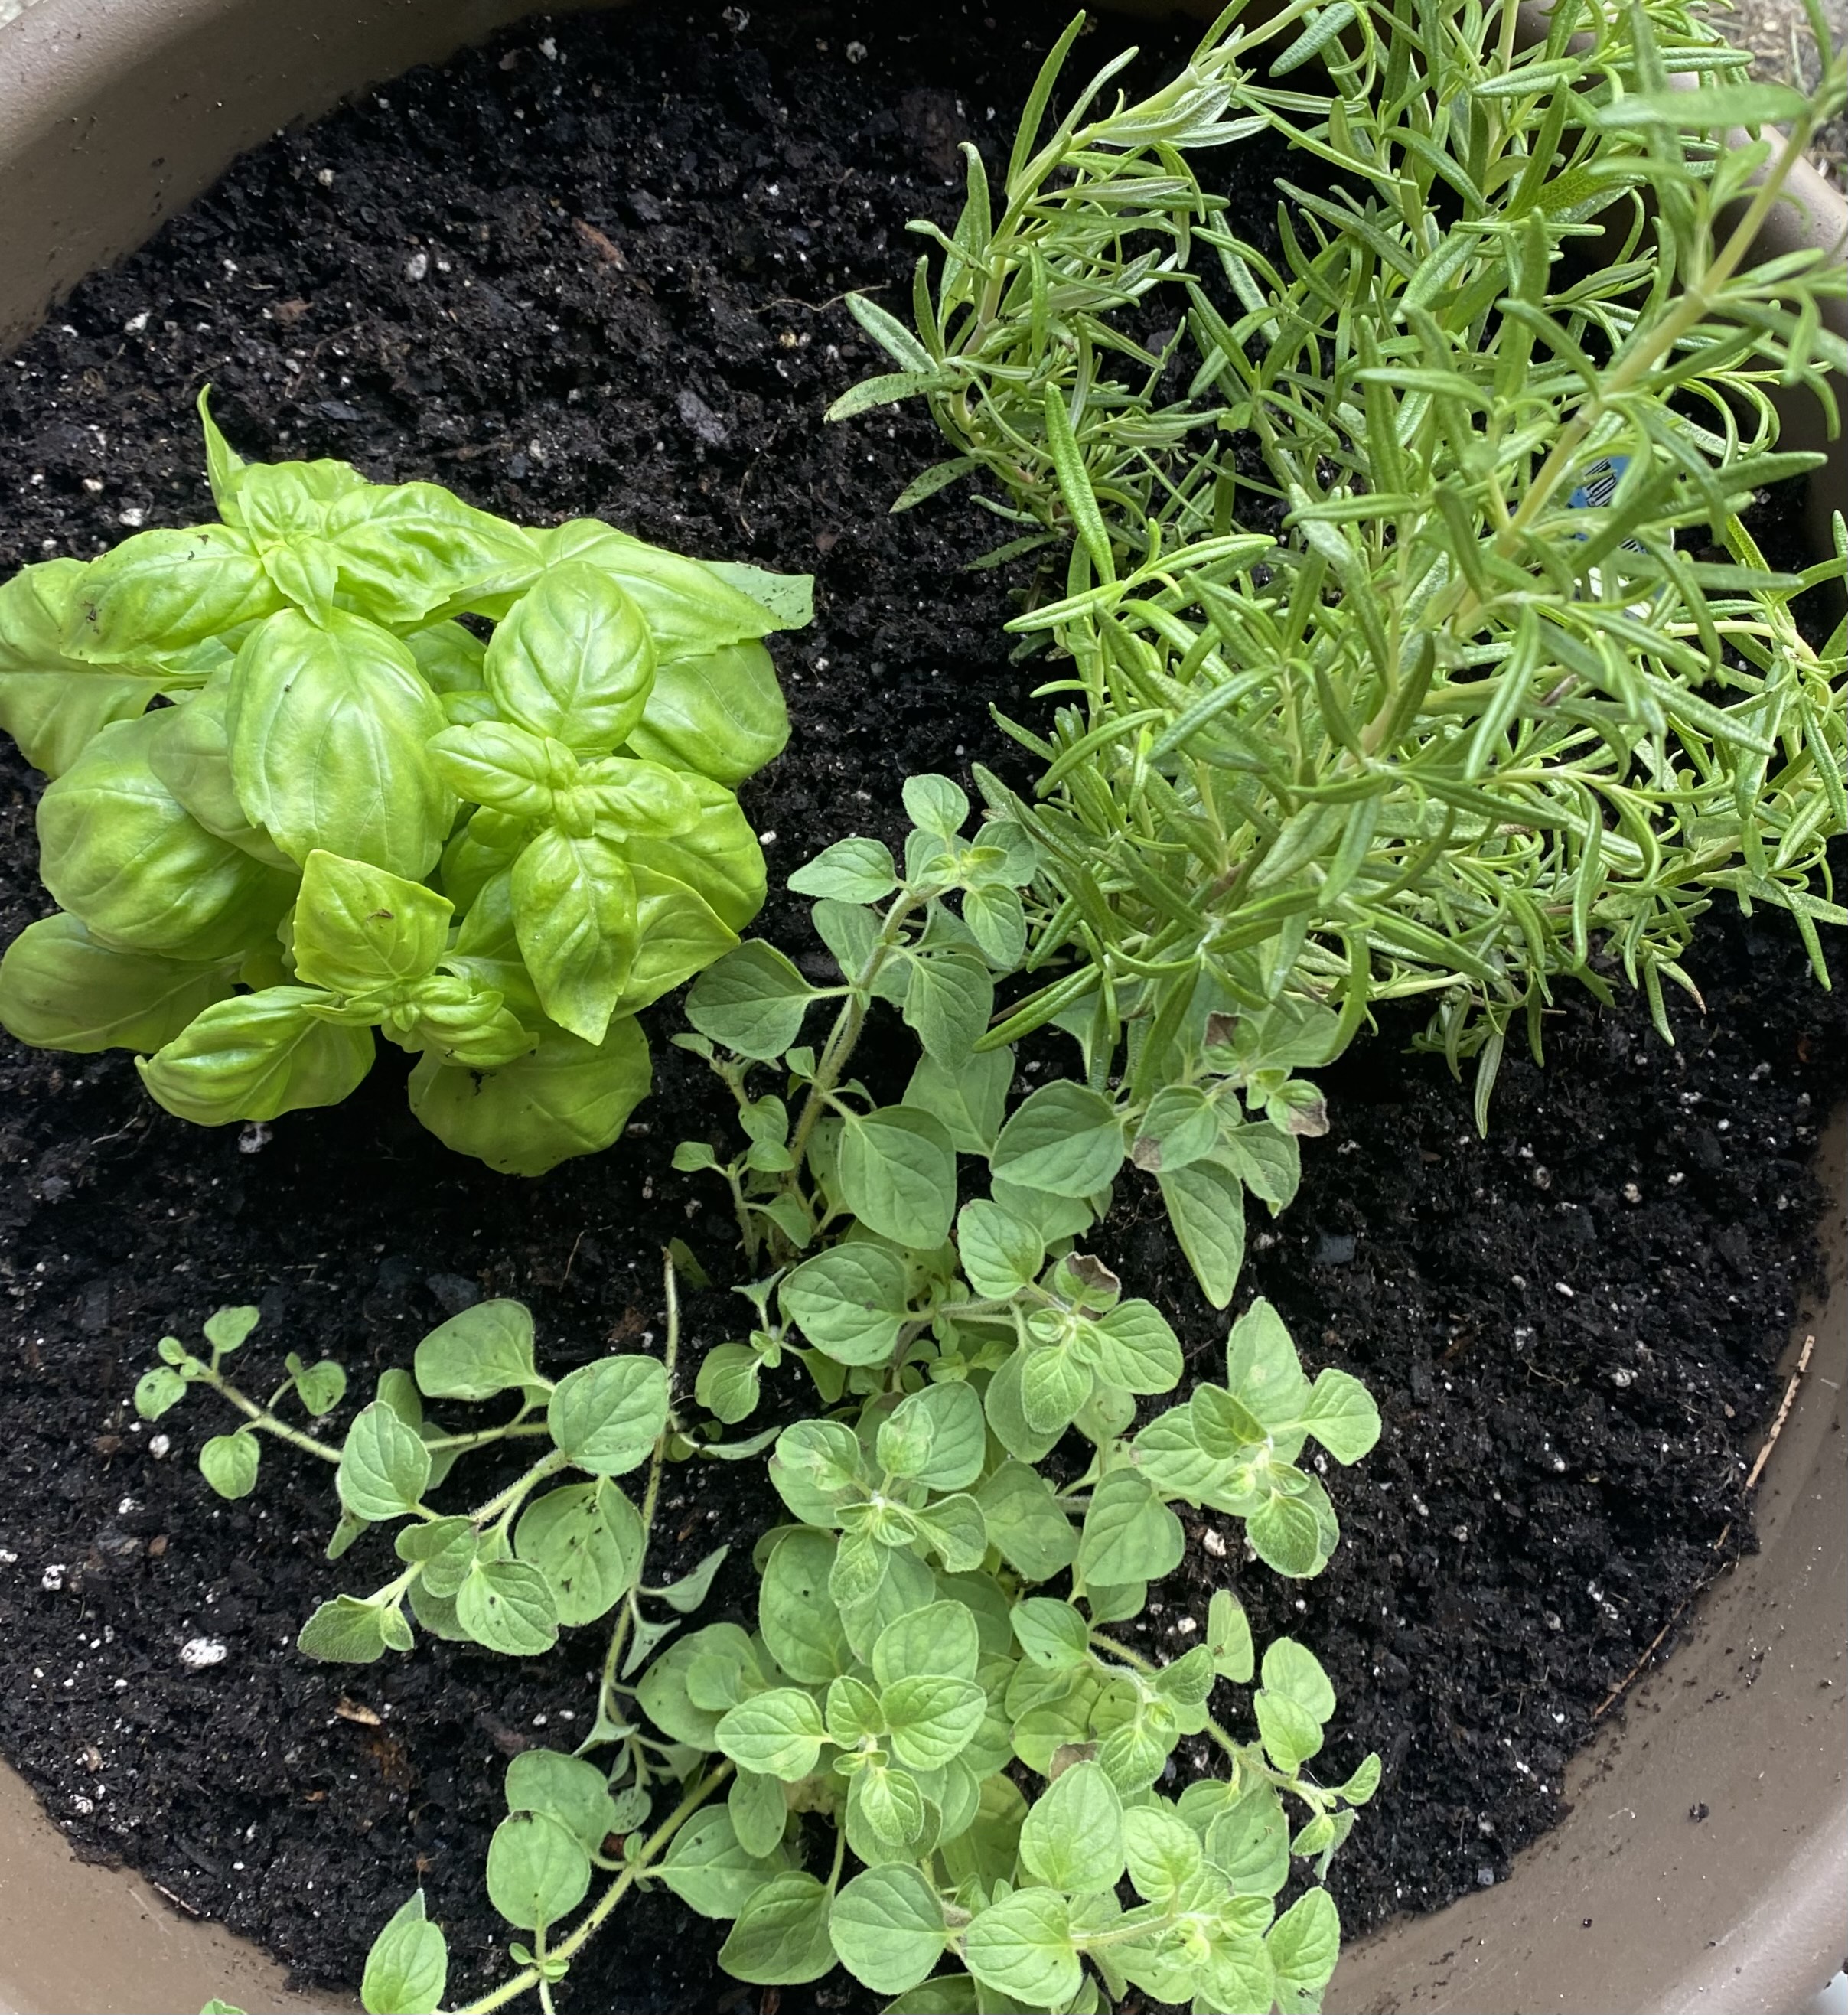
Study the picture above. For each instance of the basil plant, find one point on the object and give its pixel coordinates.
(294, 800)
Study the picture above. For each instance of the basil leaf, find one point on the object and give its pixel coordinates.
(574, 910)
(406, 550)
(357, 927)
(257, 1056)
(60, 989)
(690, 607)
(721, 714)
(717, 856)
(329, 727)
(565, 1097)
(162, 592)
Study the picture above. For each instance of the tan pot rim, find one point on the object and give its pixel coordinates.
(114, 114)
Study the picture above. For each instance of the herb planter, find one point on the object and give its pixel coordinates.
(366, 60)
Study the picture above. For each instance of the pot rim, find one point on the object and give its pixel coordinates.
(115, 114)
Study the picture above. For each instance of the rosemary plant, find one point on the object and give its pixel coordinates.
(1415, 643)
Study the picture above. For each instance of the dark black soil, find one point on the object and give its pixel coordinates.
(597, 269)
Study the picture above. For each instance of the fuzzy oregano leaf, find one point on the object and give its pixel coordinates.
(607, 1417)
(537, 1871)
(385, 1467)
(753, 1000)
(407, 1967)
(484, 1350)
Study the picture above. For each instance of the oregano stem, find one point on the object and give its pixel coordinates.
(845, 1036)
(262, 1416)
(652, 1849)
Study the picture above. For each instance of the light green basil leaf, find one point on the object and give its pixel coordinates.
(189, 750)
(969, 1097)
(407, 1967)
(678, 933)
(118, 849)
(62, 989)
(587, 1540)
(607, 1417)
(1129, 1534)
(849, 1302)
(160, 593)
(574, 909)
(329, 727)
(781, 1933)
(721, 714)
(537, 1872)
(409, 551)
(690, 607)
(753, 1001)
(1022, 1946)
(898, 1174)
(449, 657)
(1206, 1205)
(565, 1097)
(357, 927)
(500, 764)
(1065, 1139)
(788, 598)
(257, 1056)
(573, 659)
(52, 704)
(717, 856)
(228, 1463)
(888, 1928)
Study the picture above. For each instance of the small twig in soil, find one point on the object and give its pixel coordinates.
(1802, 1365)
(1617, 1692)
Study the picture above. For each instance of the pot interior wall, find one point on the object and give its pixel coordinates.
(113, 116)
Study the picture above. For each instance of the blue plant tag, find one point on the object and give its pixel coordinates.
(1598, 484)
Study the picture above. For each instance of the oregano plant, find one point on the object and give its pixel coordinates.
(931, 1751)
